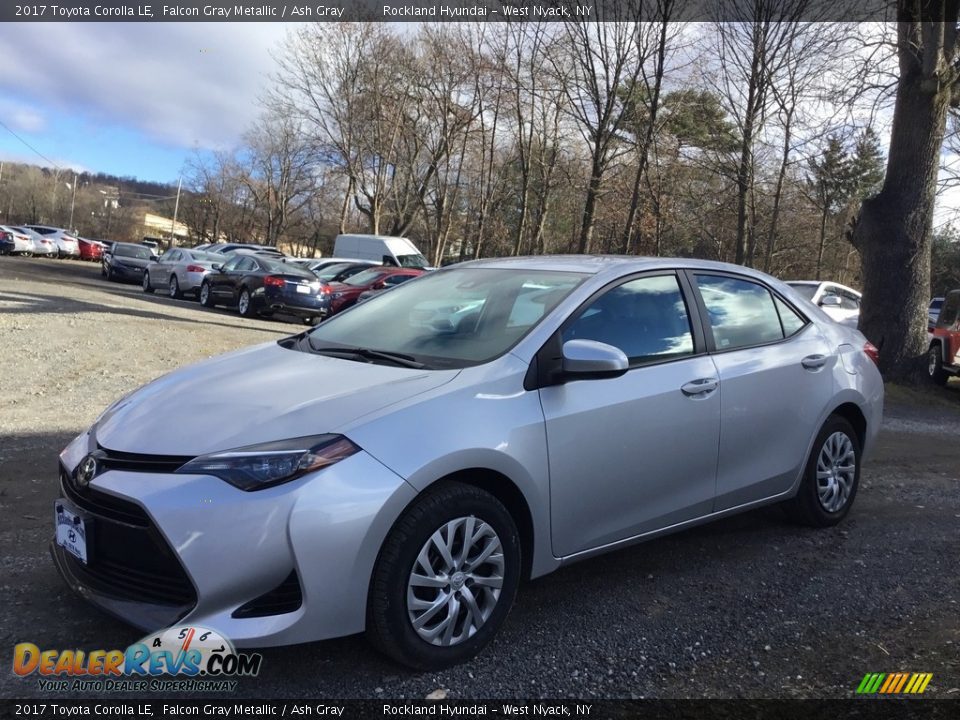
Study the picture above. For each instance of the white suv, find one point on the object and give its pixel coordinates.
(836, 300)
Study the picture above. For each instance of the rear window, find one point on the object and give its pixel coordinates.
(742, 313)
(366, 277)
(132, 251)
(808, 291)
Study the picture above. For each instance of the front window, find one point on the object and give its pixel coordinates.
(412, 261)
(451, 318)
(132, 251)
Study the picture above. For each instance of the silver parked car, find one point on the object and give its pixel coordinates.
(180, 272)
(400, 467)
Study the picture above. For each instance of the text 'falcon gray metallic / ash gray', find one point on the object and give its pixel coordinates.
(402, 466)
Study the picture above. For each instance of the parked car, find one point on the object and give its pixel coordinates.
(42, 246)
(339, 272)
(933, 312)
(91, 250)
(285, 493)
(153, 245)
(226, 248)
(838, 301)
(345, 294)
(126, 262)
(180, 272)
(16, 241)
(258, 285)
(67, 245)
(944, 352)
(388, 285)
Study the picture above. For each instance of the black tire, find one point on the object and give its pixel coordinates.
(147, 287)
(173, 288)
(389, 627)
(103, 269)
(206, 296)
(110, 274)
(806, 507)
(245, 308)
(935, 370)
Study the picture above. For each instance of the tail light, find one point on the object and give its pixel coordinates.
(196, 268)
(871, 352)
(273, 281)
(325, 290)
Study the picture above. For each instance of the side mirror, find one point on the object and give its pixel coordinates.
(830, 301)
(218, 267)
(591, 358)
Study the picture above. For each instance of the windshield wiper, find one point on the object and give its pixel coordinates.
(370, 354)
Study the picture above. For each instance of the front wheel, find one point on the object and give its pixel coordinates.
(147, 287)
(831, 477)
(173, 290)
(206, 297)
(935, 369)
(445, 578)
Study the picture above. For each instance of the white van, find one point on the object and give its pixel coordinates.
(379, 248)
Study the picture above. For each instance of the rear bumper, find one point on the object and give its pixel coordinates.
(299, 305)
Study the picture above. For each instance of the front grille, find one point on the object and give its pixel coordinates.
(136, 462)
(285, 598)
(128, 557)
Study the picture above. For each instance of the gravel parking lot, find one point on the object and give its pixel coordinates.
(747, 607)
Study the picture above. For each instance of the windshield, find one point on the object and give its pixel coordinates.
(451, 318)
(804, 289)
(412, 261)
(132, 251)
(366, 277)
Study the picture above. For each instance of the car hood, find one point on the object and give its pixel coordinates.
(259, 394)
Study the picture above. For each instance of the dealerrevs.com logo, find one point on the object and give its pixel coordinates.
(181, 659)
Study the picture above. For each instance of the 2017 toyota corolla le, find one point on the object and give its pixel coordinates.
(399, 468)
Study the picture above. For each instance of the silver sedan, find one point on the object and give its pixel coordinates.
(180, 271)
(402, 466)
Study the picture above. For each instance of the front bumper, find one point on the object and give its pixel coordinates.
(237, 546)
(127, 272)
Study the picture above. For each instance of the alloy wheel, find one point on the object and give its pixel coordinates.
(244, 304)
(174, 287)
(455, 582)
(836, 471)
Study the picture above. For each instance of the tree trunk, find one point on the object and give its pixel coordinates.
(823, 238)
(894, 228)
(590, 207)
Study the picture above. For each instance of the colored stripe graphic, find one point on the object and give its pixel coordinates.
(894, 683)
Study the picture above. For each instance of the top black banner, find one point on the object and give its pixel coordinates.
(454, 11)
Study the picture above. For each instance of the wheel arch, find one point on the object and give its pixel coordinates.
(510, 495)
(852, 413)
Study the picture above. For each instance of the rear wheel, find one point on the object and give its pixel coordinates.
(445, 578)
(206, 296)
(831, 477)
(147, 287)
(935, 366)
(173, 289)
(245, 304)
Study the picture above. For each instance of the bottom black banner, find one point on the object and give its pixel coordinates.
(874, 709)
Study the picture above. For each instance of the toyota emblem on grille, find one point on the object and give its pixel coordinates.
(86, 470)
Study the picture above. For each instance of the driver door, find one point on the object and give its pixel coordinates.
(636, 453)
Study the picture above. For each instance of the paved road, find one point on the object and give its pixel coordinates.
(747, 607)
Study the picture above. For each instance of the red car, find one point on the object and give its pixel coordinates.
(90, 249)
(345, 294)
(944, 353)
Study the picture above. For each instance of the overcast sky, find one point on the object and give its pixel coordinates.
(130, 99)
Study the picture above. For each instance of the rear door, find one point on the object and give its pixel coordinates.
(776, 379)
(638, 452)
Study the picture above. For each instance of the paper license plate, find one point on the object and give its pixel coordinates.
(71, 531)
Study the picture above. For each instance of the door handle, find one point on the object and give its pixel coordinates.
(701, 387)
(814, 362)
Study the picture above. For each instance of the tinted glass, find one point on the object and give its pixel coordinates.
(646, 318)
(132, 251)
(792, 321)
(741, 312)
(277, 266)
(807, 291)
(849, 301)
(233, 262)
(247, 264)
(451, 318)
(948, 315)
(367, 277)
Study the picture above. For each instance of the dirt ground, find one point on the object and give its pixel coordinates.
(747, 607)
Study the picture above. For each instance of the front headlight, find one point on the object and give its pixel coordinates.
(261, 466)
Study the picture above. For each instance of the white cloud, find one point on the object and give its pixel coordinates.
(183, 84)
(22, 118)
